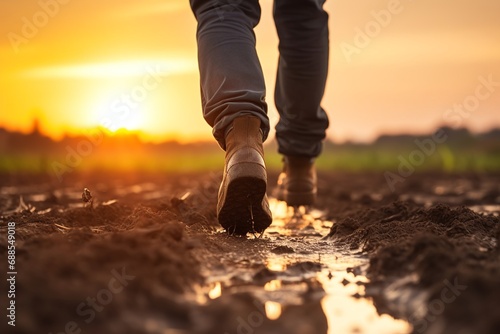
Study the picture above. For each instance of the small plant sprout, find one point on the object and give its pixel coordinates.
(87, 198)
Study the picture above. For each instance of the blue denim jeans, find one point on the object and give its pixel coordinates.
(232, 82)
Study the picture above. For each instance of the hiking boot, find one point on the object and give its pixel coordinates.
(243, 206)
(297, 183)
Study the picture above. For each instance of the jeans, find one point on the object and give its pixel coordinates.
(231, 78)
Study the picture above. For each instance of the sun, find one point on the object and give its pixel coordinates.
(130, 121)
(120, 117)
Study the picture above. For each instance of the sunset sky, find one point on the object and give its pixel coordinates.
(80, 64)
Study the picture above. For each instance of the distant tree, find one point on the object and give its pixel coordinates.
(35, 130)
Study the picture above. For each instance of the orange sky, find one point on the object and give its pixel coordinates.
(79, 65)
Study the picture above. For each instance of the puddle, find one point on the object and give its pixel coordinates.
(302, 269)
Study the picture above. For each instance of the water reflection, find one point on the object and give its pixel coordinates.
(273, 285)
(276, 264)
(307, 287)
(273, 310)
(345, 311)
(216, 291)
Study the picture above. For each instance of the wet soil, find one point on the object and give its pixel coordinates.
(147, 256)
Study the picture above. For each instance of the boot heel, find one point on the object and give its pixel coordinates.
(248, 170)
(297, 199)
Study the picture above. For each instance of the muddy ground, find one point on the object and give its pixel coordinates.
(147, 256)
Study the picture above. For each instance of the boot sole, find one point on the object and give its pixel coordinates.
(246, 187)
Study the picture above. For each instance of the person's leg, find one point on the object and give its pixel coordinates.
(233, 98)
(232, 83)
(302, 27)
